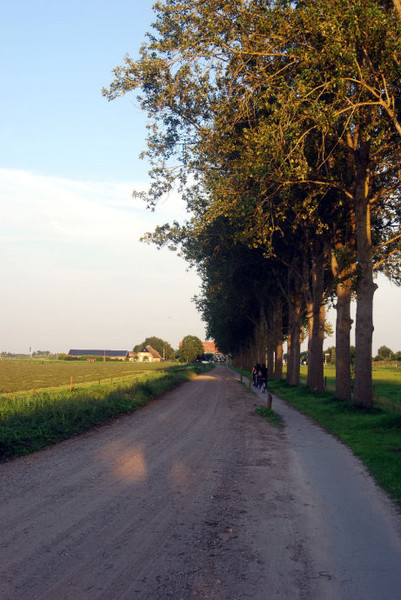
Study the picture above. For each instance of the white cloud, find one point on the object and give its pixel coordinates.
(73, 266)
(47, 208)
(73, 271)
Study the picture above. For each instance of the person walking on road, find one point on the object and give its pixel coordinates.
(263, 378)
(255, 372)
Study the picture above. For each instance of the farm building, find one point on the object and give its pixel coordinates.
(149, 354)
(113, 354)
(209, 347)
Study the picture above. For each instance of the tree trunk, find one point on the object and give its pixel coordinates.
(278, 338)
(309, 316)
(293, 341)
(269, 321)
(397, 6)
(343, 341)
(316, 366)
(363, 389)
(270, 356)
(316, 332)
(343, 273)
(278, 361)
(262, 337)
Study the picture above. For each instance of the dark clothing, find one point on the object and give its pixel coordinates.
(255, 371)
(263, 377)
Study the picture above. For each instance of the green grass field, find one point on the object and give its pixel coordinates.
(34, 374)
(386, 383)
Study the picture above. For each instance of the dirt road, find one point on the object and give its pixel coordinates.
(192, 497)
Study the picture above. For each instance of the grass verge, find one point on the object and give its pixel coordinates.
(29, 423)
(270, 416)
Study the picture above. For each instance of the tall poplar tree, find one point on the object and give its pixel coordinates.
(240, 92)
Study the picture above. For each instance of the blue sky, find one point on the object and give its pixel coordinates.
(56, 57)
(73, 272)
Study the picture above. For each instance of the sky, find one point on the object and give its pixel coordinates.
(73, 271)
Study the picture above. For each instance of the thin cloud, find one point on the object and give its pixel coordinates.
(72, 248)
(48, 208)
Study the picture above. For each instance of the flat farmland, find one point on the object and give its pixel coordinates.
(386, 376)
(31, 374)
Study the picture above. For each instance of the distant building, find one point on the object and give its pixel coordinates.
(111, 354)
(209, 347)
(147, 354)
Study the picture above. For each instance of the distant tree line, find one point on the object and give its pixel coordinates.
(191, 349)
(36, 354)
(385, 353)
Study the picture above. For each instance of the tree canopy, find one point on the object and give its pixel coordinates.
(280, 124)
(191, 348)
(162, 347)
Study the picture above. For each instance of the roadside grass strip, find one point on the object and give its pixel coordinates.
(31, 422)
(270, 416)
(373, 435)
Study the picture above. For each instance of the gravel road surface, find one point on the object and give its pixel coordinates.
(195, 497)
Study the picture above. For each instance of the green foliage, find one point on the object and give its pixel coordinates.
(191, 348)
(330, 355)
(270, 416)
(232, 292)
(385, 353)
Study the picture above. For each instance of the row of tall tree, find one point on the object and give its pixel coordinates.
(280, 123)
